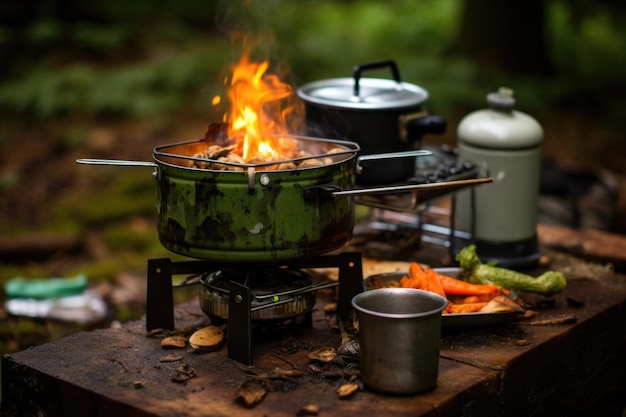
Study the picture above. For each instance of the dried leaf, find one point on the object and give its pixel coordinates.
(288, 372)
(330, 308)
(325, 354)
(174, 342)
(187, 370)
(309, 410)
(184, 373)
(251, 392)
(347, 390)
(180, 378)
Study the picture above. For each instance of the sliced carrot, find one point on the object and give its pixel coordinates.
(406, 282)
(464, 308)
(457, 287)
(434, 284)
(468, 299)
(417, 273)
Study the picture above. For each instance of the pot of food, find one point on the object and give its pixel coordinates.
(381, 115)
(215, 208)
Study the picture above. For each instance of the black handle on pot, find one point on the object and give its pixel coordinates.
(418, 127)
(358, 69)
(319, 193)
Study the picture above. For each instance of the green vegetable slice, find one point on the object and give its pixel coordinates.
(549, 283)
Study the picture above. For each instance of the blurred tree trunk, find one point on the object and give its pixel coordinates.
(506, 35)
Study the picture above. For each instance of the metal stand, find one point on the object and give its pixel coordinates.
(160, 304)
(437, 232)
(160, 293)
(459, 239)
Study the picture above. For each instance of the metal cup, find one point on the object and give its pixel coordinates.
(399, 336)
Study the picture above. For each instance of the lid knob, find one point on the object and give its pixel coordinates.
(502, 100)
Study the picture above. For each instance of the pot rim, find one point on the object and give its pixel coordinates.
(161, 155)
(438, 303)
(375, 94)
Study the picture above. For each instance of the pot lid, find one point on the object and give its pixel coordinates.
(374, 94)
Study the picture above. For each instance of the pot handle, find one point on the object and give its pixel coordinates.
(120, 162)
(358, 69)
(389, 155)
(393, 189)
(322, 193)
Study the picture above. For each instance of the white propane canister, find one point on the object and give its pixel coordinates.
(502, 216)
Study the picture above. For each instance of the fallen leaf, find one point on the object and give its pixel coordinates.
(251, 392)
(174, 342)
(347, 390)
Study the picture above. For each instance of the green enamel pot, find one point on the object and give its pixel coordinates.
(253, 215)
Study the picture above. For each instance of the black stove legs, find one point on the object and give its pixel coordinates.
(160, 306)
(160, 295)
(239, 337)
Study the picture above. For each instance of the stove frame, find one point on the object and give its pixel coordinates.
(160, 296)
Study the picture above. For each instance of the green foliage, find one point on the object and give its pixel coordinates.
(333, 36)
(136, 90)
(591, 49)
(100, 38)
(44, 31)
(122, 238)
(134, 60)
(46, 93)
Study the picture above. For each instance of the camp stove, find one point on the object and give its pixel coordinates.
(246, 294)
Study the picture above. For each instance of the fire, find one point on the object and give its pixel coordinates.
(259, 110)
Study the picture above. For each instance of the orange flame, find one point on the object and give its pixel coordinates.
(258, 114)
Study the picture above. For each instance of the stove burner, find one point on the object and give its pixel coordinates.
(276, 294)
